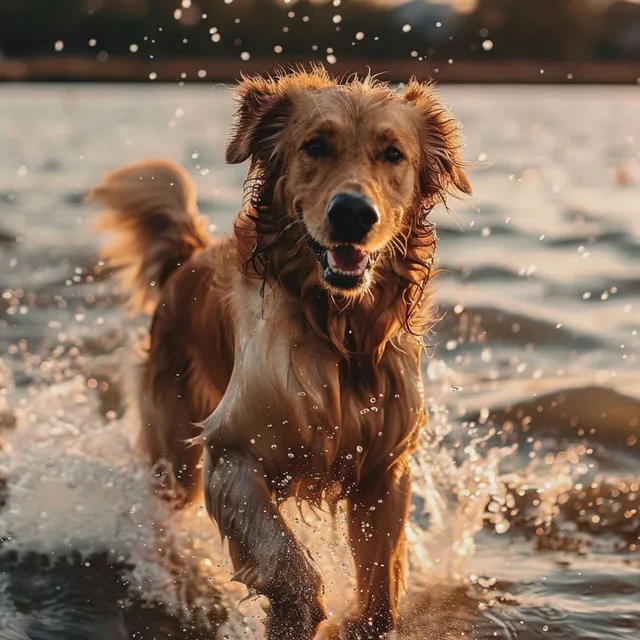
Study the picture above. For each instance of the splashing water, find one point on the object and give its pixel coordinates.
(455, 495)
(526, 506)
(78, 486)
(77, 492)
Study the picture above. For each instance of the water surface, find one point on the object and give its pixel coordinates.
(526, 522)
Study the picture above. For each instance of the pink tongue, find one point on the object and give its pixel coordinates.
(347, 258)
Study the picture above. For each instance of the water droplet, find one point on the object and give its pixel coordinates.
(502, 526)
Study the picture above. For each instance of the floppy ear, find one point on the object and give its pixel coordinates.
(442, 168)
(262, 113)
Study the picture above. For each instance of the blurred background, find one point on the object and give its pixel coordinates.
(458, 40)
(526, 512)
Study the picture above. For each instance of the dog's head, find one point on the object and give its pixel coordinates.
(355, 165)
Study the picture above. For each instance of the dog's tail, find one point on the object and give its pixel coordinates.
(151, 209)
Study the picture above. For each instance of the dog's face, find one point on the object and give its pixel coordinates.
(352, 168)
(353, 163)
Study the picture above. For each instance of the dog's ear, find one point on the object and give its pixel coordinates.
(442, 169)
(263, 110)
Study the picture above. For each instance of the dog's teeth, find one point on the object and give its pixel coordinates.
(362, 265)
(333, 265)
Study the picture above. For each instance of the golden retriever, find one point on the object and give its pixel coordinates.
(288, 354)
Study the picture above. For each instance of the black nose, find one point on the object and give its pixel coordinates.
(351, 217)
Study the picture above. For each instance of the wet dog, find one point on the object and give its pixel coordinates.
(287, 355)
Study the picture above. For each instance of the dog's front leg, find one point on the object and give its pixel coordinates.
(378, 512)
(266, 555)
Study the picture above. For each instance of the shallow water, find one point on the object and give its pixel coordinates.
(526, 522)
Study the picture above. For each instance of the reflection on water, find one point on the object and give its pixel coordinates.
(526, 512)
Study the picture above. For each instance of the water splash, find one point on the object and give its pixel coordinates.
(76, 484)
(454, 495)
(78, 491)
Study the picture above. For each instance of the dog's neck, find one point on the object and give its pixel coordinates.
(395, 310)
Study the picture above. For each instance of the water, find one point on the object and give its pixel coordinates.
(526, 518)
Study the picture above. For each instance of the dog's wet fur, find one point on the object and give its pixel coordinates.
(287, 356)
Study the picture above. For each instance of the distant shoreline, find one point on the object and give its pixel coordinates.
(123, 69)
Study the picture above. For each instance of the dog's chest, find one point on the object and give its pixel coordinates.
(291, 404)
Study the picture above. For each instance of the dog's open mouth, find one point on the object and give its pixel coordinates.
(344, 266)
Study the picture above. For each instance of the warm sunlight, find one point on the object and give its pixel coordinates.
(319, 320)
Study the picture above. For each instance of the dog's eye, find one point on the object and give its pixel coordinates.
(393, 155)
(316, 148)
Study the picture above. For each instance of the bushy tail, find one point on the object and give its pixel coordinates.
(151, 210)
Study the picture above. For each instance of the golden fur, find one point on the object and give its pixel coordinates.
(288, 385)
